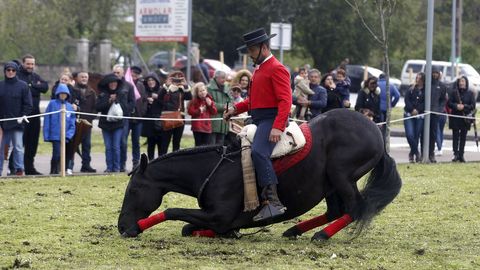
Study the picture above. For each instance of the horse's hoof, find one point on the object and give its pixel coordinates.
(320, 237)
(292, 233)
(133, 231)
(188, 229)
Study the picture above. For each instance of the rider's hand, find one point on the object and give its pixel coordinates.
(228, 113)
(275, 135)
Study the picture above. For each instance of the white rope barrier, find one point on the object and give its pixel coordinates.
(25, 118)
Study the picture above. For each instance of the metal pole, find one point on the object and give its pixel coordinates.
(189, 44)
(428, 81)
(454, 27)
(62, 140)
(281, 42)
(139, 56)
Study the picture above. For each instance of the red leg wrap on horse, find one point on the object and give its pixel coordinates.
(151, 221)
(337, 225)
(307, 225)
(204, 233)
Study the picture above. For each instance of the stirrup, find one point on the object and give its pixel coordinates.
(269, 211)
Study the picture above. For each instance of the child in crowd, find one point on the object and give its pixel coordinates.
(236, 125)
(367, 113)
(52, 124)
(202, 106)
(236, 93)
(343, 87)
(301, 92)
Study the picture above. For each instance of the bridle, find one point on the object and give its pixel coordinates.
(223, 156)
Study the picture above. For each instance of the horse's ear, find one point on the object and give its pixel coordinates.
(143, 163)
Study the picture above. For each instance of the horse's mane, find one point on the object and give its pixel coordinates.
(189, 151)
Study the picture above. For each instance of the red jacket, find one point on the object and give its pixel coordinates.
(194, 111)
(270, 88)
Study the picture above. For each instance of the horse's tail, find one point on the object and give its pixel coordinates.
(381, 187)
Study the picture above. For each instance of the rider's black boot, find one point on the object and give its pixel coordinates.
(272, 206)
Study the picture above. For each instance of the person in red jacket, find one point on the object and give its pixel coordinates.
(269, 103)
(202, 106)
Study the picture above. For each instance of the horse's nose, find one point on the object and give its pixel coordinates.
(121, 229)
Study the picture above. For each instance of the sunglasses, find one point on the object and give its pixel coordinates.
(10, 70)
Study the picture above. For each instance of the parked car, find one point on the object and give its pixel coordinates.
(164, 58)
(412, 67)
(356, 74)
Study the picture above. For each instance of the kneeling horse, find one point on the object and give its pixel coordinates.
(345, 146)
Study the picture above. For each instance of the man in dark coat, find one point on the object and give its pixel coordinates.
(86, 103)
(316, 102)
(129, 91)
(37, 86)
(438, 99)
(140, 109)
(15, 101)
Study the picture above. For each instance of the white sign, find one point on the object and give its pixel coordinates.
(283, 30)
(161, 20)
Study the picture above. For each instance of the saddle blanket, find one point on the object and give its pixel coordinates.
(284, 163)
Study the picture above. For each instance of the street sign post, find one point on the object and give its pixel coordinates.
(283, 40)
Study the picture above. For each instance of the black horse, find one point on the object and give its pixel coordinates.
(346, 146)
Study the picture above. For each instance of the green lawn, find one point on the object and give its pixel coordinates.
(70, 223)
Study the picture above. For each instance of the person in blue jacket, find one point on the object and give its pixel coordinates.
(394, 98)
(52, 124)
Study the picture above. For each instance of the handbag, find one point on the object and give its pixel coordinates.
(115, 112)
(471, 120)
(171, 124)
(468, 121)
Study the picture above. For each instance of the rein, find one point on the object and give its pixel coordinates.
(223, 157)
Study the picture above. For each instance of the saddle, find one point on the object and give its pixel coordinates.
(291, 140)
(295, 144)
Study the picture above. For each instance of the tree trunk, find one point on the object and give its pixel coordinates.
(387, 75)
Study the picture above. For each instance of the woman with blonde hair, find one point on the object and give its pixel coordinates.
(202, 106)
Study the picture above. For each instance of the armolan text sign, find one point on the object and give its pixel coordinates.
(161, 20)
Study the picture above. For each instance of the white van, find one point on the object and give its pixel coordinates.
(412, 67)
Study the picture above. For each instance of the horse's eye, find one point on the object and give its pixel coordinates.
(133, 191)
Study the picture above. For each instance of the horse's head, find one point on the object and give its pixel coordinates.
(142, 197)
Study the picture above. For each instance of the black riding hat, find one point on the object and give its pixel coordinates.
(255, 37)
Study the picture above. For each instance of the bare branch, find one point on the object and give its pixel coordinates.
(357, 10)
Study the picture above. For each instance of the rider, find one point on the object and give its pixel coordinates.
(269, 102)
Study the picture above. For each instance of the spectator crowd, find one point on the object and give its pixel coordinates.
(135, 93)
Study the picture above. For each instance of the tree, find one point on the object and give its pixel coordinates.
(219, 25)
(49, 28)
(380, 32)
(328, 31)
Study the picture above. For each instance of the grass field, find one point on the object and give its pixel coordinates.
(55, 223)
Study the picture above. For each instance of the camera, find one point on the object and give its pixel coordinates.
(177, 80)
